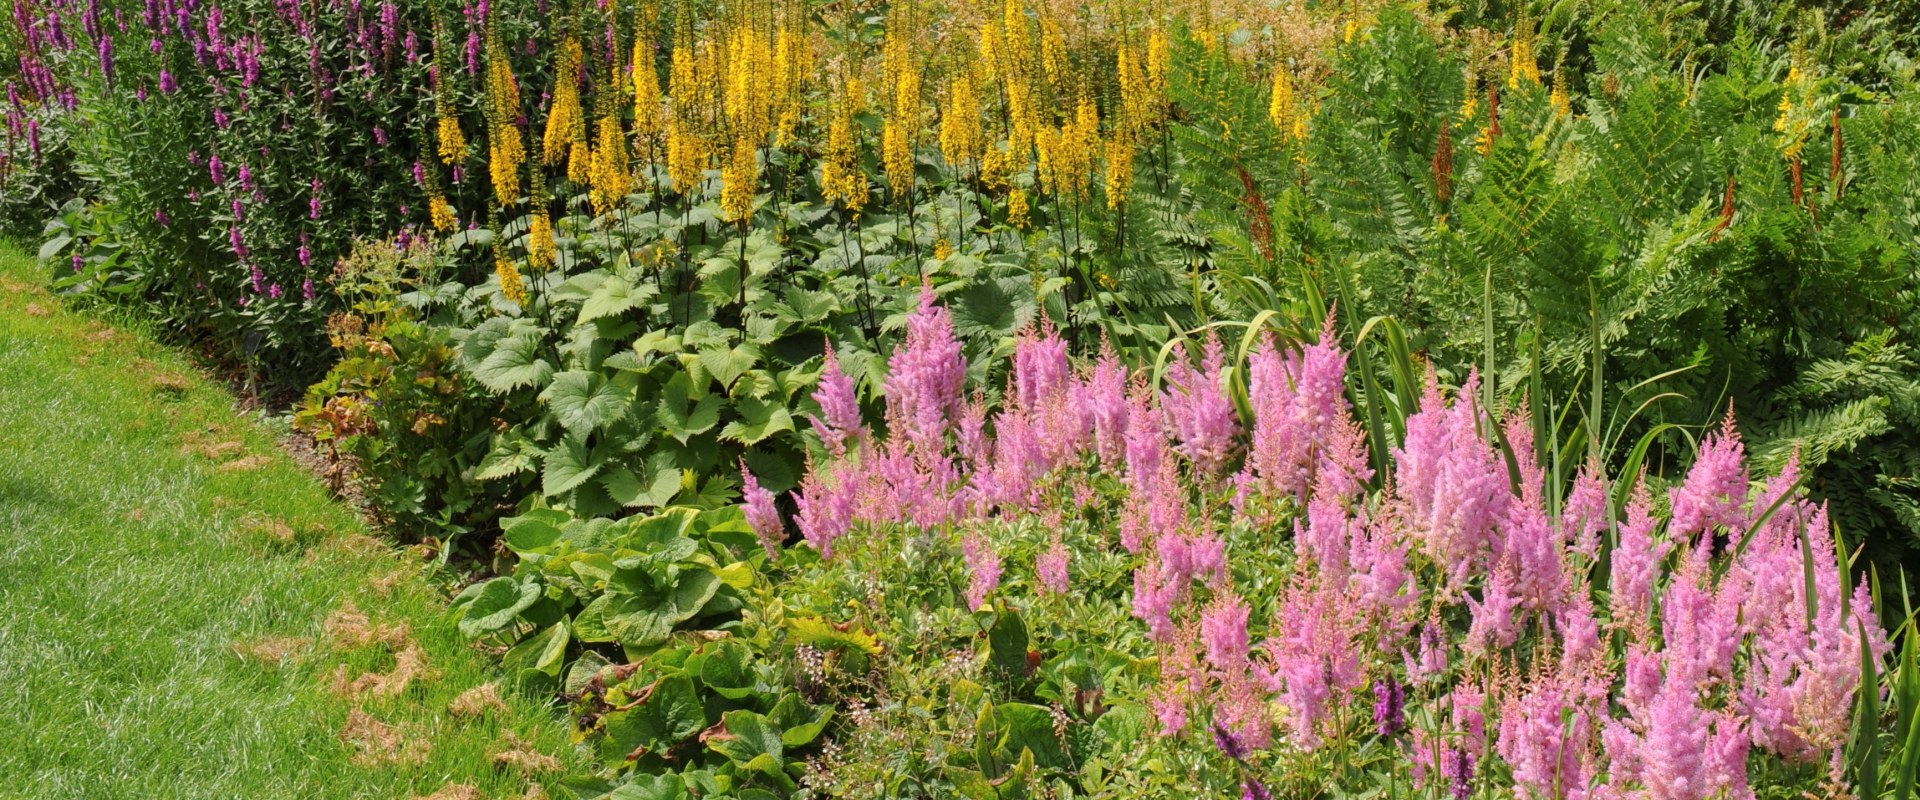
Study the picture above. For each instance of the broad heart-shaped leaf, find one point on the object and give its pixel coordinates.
(749, 736)
(493, 605)
(726, 364)
(585, 401)
(533, 531)
(651, 488)
(669, 714)
(800, 721)
(568, 465)
(758, 420)
(728, 670)
(1024, 726)
(645, 618)
(614, 296)
(1007, 645)
(503, 354)
(685, 411)
(651, 787)
(541, 653)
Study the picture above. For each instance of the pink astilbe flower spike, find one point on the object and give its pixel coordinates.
(1800, 688)
(839, 421)
(1453, 487)
(1676, 750)
(1302, 426)
(760, 511)
(1636, 561)
(1313, 658)
(1533, 544)
(983, 568)
(1547, 737)
(1201, 417)
(1041, 370)
(1584, 515)
(1223, 627)
(925, 376)
(1154, 599)
(1050, 568)
(1146, 446)
(1105, 395)
(825, 510)
(1494, 624)
(1382, 582)
(1716, 486)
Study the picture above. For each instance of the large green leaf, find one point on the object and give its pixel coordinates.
(749, 736)
(685, 411)
(542, 653)
(568, 465)
(614, 296)
(758, 420)
(666, 713)
(504, 354)
(726, 364)
(800, 721)
(493, 605)
(584, 401)
(651, 488)
(646, 617)
(728, 670)
(1027, 727)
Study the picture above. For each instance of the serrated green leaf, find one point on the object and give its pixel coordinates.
(584, 401)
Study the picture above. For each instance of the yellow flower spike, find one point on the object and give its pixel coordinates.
(960, 134)
(1280, 106)
(1119, 171)
(564, 113)
(541, 249)
(739, 182)
(512, 286)
(1017, 209)
(506, 147)
(453, 144)
(898, 156)
(440, 213)
(646, 90)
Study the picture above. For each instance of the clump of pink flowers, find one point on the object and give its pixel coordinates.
(1459, 608)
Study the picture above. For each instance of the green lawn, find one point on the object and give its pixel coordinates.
(158, 556)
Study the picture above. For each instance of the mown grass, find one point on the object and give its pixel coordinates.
(158, 554)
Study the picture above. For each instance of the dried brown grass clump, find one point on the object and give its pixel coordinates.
(408, 666)
(520, 756)
(477, 701)
(376, 743)
(348, 627)
(272, 651)
(452, 791)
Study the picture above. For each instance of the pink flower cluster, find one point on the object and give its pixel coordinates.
(1424, 590)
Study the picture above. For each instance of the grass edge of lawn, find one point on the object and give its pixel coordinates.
(354, 614)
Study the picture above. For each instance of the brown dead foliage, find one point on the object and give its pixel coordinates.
(519, 756)
(209, 444)
(271, 651)
(36, 310)
(477, 701)
(277, 530)
(383, 584)
(408, 666)
(452, 791)
(246, 463)
(376, 743)
(348, 627)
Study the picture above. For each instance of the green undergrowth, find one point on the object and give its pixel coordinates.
(187, 613)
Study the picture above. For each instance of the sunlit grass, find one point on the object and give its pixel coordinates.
(146, 529)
